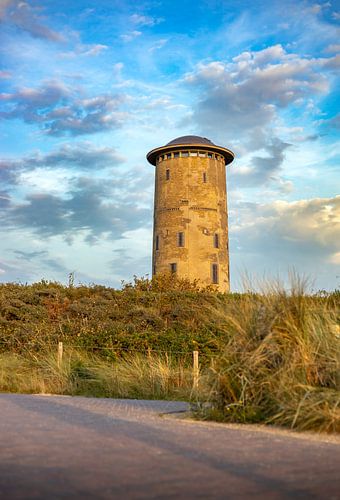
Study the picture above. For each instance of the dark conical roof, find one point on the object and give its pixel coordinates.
(190, 139)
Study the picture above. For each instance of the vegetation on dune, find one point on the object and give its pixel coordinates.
(84, 374)
(271, 357)
(281, 362)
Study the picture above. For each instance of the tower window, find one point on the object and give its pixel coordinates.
(167, 174)
(204, 177)
(214, 272)
(180, 239)
(193, 153)
(168, 155)
(176, 155)
(157, 242)
(184, 154)
(216, 241)
(173, 267)
(202, 154)
(210, 155)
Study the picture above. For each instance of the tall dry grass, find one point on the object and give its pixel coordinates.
(80, 373)
(270, 357)
(280, 363)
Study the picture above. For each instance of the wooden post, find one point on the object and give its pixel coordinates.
(60, 354)
(195, 369)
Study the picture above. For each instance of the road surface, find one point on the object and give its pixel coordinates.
(63, 447)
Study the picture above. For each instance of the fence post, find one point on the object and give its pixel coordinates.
(60, 354)
(195, 369)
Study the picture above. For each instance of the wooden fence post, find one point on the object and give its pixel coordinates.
(195, 369)
(60, 354)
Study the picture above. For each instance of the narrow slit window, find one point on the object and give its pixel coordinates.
(215, 274)
(204, 177)
(173, 267)
(180, 239)
(167, 174)
(216, 241)
(157, 242)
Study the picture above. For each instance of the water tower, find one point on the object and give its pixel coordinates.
(190, 210)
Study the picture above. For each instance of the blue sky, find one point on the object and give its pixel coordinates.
(88, 88)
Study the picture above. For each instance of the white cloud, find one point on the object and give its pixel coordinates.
(131, 35)
(334, 47)
(141, 20)
(242, 104)
(158, 45)
(25, 17)
(59, 109)
(278, 236)
(311, 226)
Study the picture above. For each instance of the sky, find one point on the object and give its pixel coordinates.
(88, 88)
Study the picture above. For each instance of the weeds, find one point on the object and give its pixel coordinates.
(270, 357)
(280, 363)
(134, 376)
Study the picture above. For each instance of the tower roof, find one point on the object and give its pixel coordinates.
(187, 142)
(190, 139)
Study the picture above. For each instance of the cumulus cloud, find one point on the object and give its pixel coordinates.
(24, 17)
(4, 199)
(263, 168)
(8, 171)
(246, 93)
(81, 156)
(42, 258)
(300, 230)
(244, 98)
(93, 208)
(333, 47)
(60, 110)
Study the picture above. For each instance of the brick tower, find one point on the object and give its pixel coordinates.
(190, 215)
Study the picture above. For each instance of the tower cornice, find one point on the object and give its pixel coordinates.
(154, 153)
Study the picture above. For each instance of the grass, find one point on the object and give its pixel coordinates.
(271, 357)
(80, 373)
(280, 363)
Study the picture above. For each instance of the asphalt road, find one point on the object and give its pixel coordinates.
(55, 447)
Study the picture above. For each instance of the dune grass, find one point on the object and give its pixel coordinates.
(280, 363)
(81, 373)
(269, 357)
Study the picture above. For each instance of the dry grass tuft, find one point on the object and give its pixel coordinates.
(280, 364)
